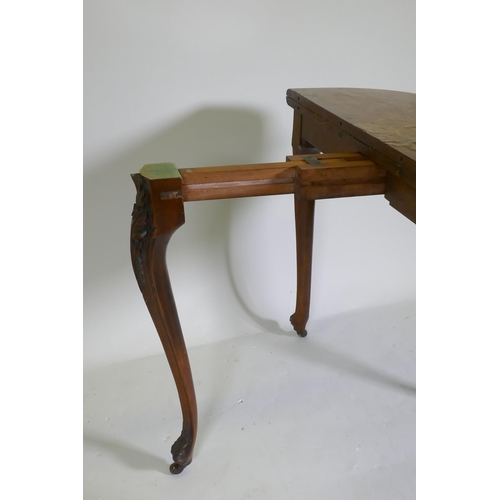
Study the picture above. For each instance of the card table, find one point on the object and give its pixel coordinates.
(345, 142)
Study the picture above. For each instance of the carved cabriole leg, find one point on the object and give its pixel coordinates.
(158, 212)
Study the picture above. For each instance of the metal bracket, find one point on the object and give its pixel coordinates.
(313, 161)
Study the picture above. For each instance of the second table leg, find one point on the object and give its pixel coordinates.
(304, 231)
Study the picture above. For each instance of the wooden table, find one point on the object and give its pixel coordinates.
(346, 142)
(380, 124)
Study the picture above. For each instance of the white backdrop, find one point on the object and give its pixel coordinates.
(204, 83)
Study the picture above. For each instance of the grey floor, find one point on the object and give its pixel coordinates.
(329, 416)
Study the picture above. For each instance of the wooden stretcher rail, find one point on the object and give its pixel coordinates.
(236, 181)
(331, 176)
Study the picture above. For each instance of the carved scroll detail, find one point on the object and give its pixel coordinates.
(141, 228)
(182, 448)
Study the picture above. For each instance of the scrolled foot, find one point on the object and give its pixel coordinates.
(300, 333)
(176, 468)
(182, 450)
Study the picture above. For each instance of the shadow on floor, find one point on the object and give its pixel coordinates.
(129, 455)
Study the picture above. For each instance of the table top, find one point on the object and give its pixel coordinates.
(382, 119)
